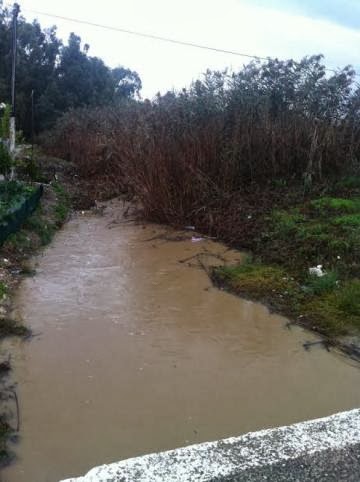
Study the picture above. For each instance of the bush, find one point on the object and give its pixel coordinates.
(5, 160)
(187, 155)
(12, 194)
(5, 122)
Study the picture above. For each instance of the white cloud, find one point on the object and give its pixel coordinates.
(230, 24)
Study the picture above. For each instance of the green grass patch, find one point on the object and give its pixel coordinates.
(347, 220)
(337, 312)
(322, 231)
(295, 236)
(254, 276)
(324, 205)
(260, 282)
(286, 223)
(331, 306)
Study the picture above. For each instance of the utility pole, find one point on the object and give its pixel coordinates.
(16, 10)
(32, 125)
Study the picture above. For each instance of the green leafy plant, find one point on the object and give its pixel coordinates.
(348, 220)
(5, 122)
(331, 204)
(349, 298)
(5, 160)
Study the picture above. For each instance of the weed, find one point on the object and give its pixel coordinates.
(10, 327)
(348, 299)
(5, 122)
(330, 204)
(348, 220)
(322, 284)
(43, 228)
(255, 279)
(339, 245)
(3, 290)
(5, 160)
(337, 312)
(28, 168)
(63, 203)
(285, 223)
(5, 432)
(350, 182)
(18, 241)
(61, 212)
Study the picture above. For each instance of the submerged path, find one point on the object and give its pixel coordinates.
(138, 353)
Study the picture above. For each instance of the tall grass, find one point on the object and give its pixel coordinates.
(188, 156)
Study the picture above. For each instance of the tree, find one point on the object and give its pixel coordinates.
(62, 76)
(127, 82)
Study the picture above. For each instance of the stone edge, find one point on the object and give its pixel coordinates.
(227, 459)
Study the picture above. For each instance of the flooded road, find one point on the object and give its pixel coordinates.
(137, 353)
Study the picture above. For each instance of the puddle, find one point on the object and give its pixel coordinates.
(137, 353)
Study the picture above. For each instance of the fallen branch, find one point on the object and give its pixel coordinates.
(324, 343)
(13, 392)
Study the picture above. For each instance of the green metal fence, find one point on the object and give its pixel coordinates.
(11, 222)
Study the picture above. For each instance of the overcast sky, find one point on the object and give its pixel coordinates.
(275, 28)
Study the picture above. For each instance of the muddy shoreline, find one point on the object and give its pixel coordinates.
(350, 347)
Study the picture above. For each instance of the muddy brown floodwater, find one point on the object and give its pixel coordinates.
(137, 353)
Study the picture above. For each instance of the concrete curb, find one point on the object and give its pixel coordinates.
(326, 449)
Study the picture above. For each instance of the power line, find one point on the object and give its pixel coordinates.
(155, 37)
(147, 35)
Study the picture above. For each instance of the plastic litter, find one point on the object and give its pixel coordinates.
(317, 271)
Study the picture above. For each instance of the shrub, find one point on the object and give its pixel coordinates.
(5, 160)
(5, 122)
(186, 156)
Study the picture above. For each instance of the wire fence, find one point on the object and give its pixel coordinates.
(12, 221)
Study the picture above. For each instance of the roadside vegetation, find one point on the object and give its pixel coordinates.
(265, 159)
(12, 195)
